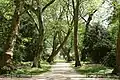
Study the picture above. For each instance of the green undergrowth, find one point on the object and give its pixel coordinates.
(27, 70)
(95, 70)
(90, 68)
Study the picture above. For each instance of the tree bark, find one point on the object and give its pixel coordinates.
(55, 44)
(36, 62)
(40, 27)
(67, 53)
(59, 48)
(11, 39)
(118, 52)
(65, 50)
(117, 67)
(77, 60)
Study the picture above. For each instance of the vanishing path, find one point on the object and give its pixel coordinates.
(59, 71)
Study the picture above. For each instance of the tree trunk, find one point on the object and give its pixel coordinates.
(54, 42)
(58, 49)
(117, 67)
(67, 53)
(38, 12)
(62, 52)
(11, 39)
(36, 62)
(77, 61)
(65, 50)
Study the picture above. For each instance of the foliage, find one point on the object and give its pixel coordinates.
(27, 70)
(110, 59)
(91, 5)
(6, 12)
(26, 40)
(94, 69)
(113, 31)
(97, 43)
(100, 43)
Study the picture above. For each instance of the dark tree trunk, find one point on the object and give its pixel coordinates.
(117, 67)
(67, 53)
(38, 12)
(58, 49)
(55, 44)
(77, 60)
(65, 50)
(36, 62)
(11, 39)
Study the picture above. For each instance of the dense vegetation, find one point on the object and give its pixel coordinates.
(36, 31)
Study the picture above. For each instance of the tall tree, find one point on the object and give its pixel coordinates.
(117, 67)
(65, 38)
(65, 49)
(75, 20)
(38, 12)
(59, 48)
(10, 42)
(93, 10)
(117, 19)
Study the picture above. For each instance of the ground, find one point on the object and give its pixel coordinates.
(59, 71)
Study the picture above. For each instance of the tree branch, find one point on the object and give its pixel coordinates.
(73, 5)
(83, 18)
(33, 20)
(47, 5)
(29, 7)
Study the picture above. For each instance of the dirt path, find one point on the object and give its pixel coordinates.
(59, 71)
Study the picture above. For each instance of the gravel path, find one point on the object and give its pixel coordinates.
(59, 71)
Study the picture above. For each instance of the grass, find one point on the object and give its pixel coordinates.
(93, 69)
(27, 70)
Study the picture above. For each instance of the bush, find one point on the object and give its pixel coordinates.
(110, 59)
(97, 43)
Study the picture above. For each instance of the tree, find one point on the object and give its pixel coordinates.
(10, 42)
(59, 48)
(75, 20)
(40, 27)
(61, 19)
(90, 13)
(116, 18)
(65, 50)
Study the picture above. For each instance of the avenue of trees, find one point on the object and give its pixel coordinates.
(77, 30)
